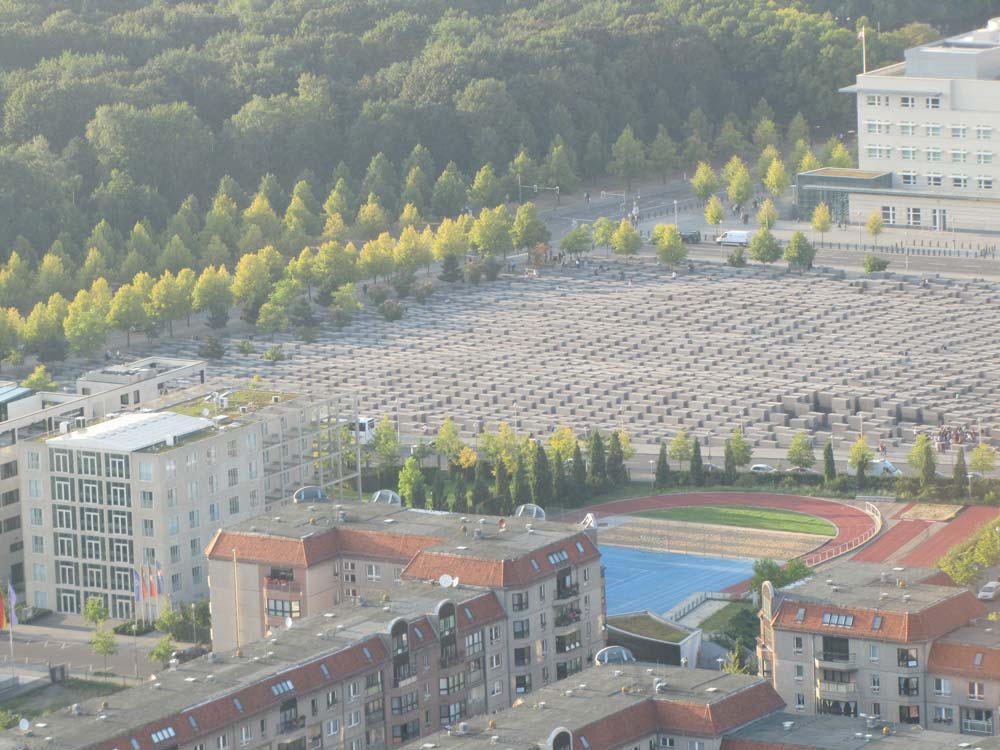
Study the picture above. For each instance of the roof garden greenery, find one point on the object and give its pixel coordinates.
(648, 626)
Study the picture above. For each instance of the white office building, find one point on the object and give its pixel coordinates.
(928, 140)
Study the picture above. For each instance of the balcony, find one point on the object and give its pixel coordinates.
(567, 592)
(567, 617)
(838, 689)
(835, 660)
(373, 689)
(977, 726)
(450, 660)
(287, 726)
(282, 584)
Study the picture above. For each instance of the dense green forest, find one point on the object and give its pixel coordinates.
(147, 147)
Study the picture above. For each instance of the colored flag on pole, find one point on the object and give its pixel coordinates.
(152, 583)
(3, 614)
(159, 577)
(12, 600)
(142, 581)
(138, 592)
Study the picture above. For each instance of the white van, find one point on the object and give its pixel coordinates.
(364, 429)
(879, 467)
(737, 237)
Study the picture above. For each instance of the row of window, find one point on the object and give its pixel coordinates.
(936, 179)
(906, 101)
(931, 153)
(95, 576)
(931, 129)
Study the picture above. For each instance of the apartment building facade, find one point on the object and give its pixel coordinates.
(25, 414)
(932, 124)
(146, 490)
(547, 576)
(879, 645)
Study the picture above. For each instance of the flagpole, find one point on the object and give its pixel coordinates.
(10, 626)
(864, 50)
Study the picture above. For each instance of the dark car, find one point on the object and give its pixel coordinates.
(692, 238)
(188, 654)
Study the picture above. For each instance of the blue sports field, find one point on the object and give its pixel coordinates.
(636, 579)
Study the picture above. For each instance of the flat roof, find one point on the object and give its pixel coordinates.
(838, 733)
(864, 174)
(131, 432)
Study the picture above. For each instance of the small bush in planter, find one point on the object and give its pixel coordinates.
(245, 347)
(423, 292)
(274, 354)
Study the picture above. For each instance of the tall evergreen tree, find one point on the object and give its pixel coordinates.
(829, 465)
(729, 467)
(580, 489)
(662, 476)
(540, 477)
(482, 498)
(697, 466)
(616, 461)
(439, 500)
(597, 470)
(960, 474)
(521, 488)
(501, 488)
(561, 485)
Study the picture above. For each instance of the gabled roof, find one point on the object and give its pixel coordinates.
(959, 659)
(933, 621)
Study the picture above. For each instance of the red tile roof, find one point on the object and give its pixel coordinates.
(429, 565)
(933, 621)
(736, 743)
(324, 545)
(709, 719)
(959, 659)
(485, 609)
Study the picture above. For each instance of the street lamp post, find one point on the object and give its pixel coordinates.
(675, 212)
(652, 474)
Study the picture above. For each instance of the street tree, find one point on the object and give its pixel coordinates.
(86, 324)
(661, 478)
(39, 380)
(11, 332)
(528, 229)
(860, 459)
(603, 231)
(385, 446)
(102, 643)
(487, 189)
(617, 474)
(214, 292)
(670, 248)
(821, 221)
(767, 215)
(800, 252)
(491, 231)
(411, 482)
(576, 241)
(983, 458)
(447, 441)
(162, 652)
(777, 180)
(680, 448)
(628, 157)
(697, 470)
(251, 285)
(829, 464)
(875, 224)
(705, 182)
(597, 467)
(764, 247)
(714, 212)
(663, 153)
(94, 611)
(739, 185)
(742, 450)
(922, 460)
(626, 240)
(372, 219)
(451, 240)
(800, 452)
(540, 476)
(450, 192)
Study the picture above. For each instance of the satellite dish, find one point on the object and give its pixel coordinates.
(24, 725)
(445, 580)
(454, 582)
(288, 622)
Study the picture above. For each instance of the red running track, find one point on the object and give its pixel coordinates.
(958, 530)
(850, 522)
(891, 541)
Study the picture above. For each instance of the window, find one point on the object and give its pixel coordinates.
(977, 660)
(195, 545)
(452, 684)
(63, 489)
(474, 643)
(11, 524)
(958, 131)
(696, 745)
(147, 527)
(907, 153)
(975, 691)
(906, 657)
(959, 181)
(231, 449)
(876, 682)
(519, 601)
(38, 545)
(522, 683)
(406, 703)
(162, 735)
(283, 608)
(907, 102)
(933, 130)
(331, 727)
(193, 490)
(175, 553)
(222, 742)
(984, 132)
(145, 471)
(797, 644)
(909, 714)
(984, 183)
(373, 572)
(838, 620)
(213, 512)
(873, 654)
(494, 633)
(909, 685)
(799, 672)
(496, 660)
(173, 525)
(175, 582)
(39, 573)
(877, 100)
(984, 157)
(353, 718)
(194, 518)
(933, 154)
(907, 128)
(496, 688)
(879, 152)
(34, 460)
(943, 715)
(913, 217)
(117, 466)
(233, 477)
(452, 713)
(331, 698)
(146, 499)
(889, 214)
(908, 178)
(234, 506)
(942, 687)
(171, 497)
(959, 156)
(522, 628)
(34, 488)
(934, 179)
(118, 494)
(933, 102)
(246, 734)
(800, 702)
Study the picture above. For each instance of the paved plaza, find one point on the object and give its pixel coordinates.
(705, 352)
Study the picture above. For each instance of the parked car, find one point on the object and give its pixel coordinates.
(879, 468)
(737, 237)
(763, 469)
(989, 591)
(712, 468)
(692, 238)
(188, 654)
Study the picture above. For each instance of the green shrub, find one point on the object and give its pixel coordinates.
(874, 264)
(423, 292)
(491, 268)
(245, 347)
(391, 310)
(274, 354)
(141, 627)
(737, 258)
(378, 295)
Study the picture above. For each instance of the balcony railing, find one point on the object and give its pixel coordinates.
(838, 657)
(567, 592)
(291, 725)
(281, 584)
(567, 617)
(838, 688)
(450, 660)
(977, 726)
